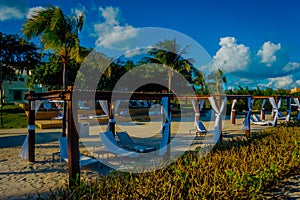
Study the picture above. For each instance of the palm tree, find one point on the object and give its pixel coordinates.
(58, 33)
(218, 78)
(199, 80)
(169, 54)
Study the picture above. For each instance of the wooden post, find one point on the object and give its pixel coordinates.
(263, 114)
(276, 101)
(197, 114)
(112, 122)
(73, 144)
(64, 119)
(169, 122)
(289, 100)
(31, 130)
(233, 114)
(219, 104)
(168, 153)
(247, 132)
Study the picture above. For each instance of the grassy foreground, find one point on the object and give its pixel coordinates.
(13, 117)
(236, 169)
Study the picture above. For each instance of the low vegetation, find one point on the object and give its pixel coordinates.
(237, 169)
(13, 117)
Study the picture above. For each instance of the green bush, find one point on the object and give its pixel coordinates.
(236, 169)
(13, 117)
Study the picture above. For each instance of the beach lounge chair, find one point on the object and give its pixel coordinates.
(145, 104)
(257, 121)
(47, 106)
(281, 116)
(111, 145)
(123, 113)
(133, 104)
(63, 154)
(82, 106)
(59, 116)
(200, 129)
(128, 143)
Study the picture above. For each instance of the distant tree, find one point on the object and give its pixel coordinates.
(269, 92)
(215, 82)
(16, 55)
(283, 92)
(258, 92)
(200, 85)
(49, 72)
(170, 55)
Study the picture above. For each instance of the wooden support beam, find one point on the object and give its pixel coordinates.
(197, 112)
(112, 123)
(31, 130)
(218, 99)
(73, 145)
(233, 113)
(248, 130)
(263, 114)
(169, 114)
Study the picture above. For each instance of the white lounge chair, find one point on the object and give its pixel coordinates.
(281, 116)
(63, 154)
(145, 104)
(59, 116)
(111, 145)
(200, 129)
(47, 106)
(128, 143)
(133, 104)
(123, 113)
(82, 106)
(257, 121)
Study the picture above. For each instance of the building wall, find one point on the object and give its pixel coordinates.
(295, 90)
(15, 90)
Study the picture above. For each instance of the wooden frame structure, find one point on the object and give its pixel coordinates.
(73, 137)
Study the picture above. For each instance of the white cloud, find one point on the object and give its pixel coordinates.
(111, 15)
(111, 33)
(291, 66)
(132, 53)
(77, 11)
(267, 52)
(15, 9)
(231, 57)
(33, 11)
(7, 12)
(281, 82)
(270, 66)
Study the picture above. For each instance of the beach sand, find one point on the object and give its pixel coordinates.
(20, 179)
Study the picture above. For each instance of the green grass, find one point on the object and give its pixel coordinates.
(13, 117)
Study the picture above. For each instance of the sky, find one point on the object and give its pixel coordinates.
(254, 42)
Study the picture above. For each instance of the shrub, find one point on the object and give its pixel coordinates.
(235, 169)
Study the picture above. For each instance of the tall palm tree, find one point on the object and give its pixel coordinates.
(59, 33)
(169, 54)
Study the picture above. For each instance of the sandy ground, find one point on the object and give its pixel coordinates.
(20, 179)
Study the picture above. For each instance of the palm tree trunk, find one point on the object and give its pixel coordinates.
(1, 94)
(1, 99)
(169, 80)
(64, 120)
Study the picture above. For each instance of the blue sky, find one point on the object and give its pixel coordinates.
(256, 43)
